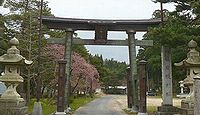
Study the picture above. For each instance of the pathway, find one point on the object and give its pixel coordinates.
(106, 105)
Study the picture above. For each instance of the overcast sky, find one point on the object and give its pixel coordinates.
(106, 9)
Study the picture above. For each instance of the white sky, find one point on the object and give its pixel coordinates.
(107, 9)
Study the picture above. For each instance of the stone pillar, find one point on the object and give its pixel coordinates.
(129, 89)
(67, 57)
(133, 68)
(166, 76)
(61, 88)
(143, 88)
(197, 95)
(167, 107)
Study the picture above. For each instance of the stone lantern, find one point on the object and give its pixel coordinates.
(10, 101)
(192, 65)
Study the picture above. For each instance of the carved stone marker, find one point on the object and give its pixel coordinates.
(166, 76)
(167, 107)
(11, 102)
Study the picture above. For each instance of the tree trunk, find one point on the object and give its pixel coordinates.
(73, 89)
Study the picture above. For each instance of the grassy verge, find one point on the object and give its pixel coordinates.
(80, 101)
(128, 112)
(151, 110)
(49, 106)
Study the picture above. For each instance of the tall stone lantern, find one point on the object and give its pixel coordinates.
(192, 65)
(10, 101)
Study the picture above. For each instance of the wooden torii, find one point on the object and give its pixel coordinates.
(101, 28)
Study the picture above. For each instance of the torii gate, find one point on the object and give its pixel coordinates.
(101, 28)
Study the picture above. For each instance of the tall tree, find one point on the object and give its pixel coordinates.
(23, 24)
(84, 76)
(181, 26)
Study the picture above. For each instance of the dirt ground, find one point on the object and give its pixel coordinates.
(151, 101)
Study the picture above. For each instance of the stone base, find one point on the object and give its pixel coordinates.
(187, 107)
(187, 104)
(187, 111)
(168, 110)
(12, 107)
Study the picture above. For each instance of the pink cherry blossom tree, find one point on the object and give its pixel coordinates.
(84, 76)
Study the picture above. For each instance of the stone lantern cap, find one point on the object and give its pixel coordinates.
(192, 44)
(13, 55)
(193, 57)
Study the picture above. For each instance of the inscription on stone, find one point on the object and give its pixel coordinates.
(166, 76)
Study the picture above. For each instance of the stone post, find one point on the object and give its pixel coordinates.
(61, 88)
(67, 57)
(166, 76)
(129, 88)
(143, 88)
(133, 68)
(167, 107)
(197, 94)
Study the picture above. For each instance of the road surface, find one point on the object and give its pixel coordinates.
(106, 105)
(113, 105)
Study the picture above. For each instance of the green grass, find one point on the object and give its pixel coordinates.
(49, 106)
(80, 101)
(151, 109)
(128, 112)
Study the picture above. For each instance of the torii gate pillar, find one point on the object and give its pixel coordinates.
(133, 68)
(67, 57)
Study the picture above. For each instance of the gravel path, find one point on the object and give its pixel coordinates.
(114, 105)
(106, 105)
(151, 101)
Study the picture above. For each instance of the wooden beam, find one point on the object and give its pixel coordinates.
(90, 24)
(93, 42)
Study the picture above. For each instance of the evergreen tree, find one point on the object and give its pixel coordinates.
(181, 26)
